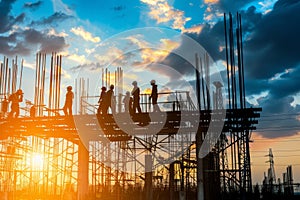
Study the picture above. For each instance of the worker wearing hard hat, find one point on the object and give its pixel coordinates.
(154, 96)
(136, 98)
(15, 99)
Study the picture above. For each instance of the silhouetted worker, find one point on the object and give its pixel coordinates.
(110, 101)
(102, 101)
(69, 101)
(154, 96)
(15, 99)
(136, 98)
(128, 100)
(4, 106)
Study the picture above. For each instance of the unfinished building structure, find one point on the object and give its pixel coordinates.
(47, 155)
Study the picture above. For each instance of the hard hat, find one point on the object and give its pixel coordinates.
(103, 88)
(111, 86)
(69, 87)
(19, 91)
(134, 83)
(152, 81)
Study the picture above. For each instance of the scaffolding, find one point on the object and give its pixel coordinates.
(42, 155)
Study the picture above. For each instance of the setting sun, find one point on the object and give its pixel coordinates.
(37, 161)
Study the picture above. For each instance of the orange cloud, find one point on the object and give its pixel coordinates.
(85, 35)
(162, 12)
(195, 29)
(211, 1)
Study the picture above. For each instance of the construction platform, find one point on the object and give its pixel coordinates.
(106, 126)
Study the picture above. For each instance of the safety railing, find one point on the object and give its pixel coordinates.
(167, 101)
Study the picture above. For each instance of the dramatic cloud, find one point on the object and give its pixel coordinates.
(279, 118)
(21, 43)
(233, 5)
(271, 58)
(216, 8)
(227, 5)
(7, 21)
(47, 43)
(162, 12)
(18, 40)
(273, 46)
(9, 46)
(210, 38)
(272, 65)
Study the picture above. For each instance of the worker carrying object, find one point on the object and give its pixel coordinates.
(15, 99)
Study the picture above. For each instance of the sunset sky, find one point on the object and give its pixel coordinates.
(94, 34)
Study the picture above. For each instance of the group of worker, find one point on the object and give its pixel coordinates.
(131, 100)
(17, 97)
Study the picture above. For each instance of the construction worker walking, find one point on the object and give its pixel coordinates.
(154, 96)
(136, 98)
(15, 99)
(110, 100)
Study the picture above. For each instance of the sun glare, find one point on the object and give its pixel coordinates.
(37, 161)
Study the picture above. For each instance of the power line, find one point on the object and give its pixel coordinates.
(276, 165)
(279, 129)
(277, 156)
(283, 150)
(277, 141)
(283, 139)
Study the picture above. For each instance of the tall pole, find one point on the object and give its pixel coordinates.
(199, 141)
(21, 74)
(51, 84)
(227, 61)
(198, 81)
